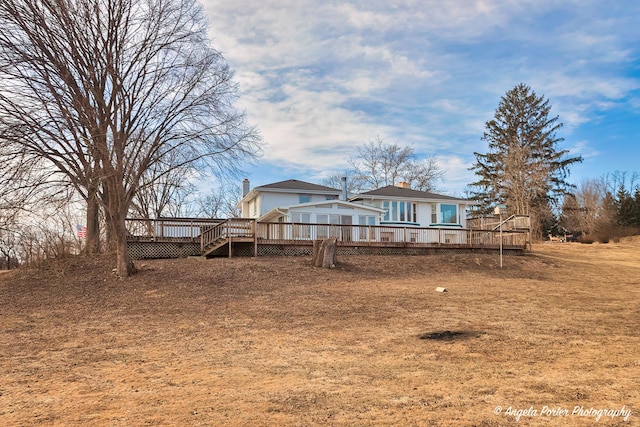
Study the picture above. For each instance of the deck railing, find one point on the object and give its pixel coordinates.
(212, 231)
(513, 222)
(355, 235)
(169, 228)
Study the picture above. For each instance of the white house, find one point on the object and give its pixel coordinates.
(303, 202)
(258, 201)
(406, 207)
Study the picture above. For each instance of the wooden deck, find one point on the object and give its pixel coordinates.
(246, 237)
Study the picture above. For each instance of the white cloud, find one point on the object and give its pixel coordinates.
(457, 174)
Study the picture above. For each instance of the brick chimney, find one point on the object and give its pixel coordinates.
(403, 184)
(245, 187)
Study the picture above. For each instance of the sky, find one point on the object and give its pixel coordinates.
(319, 78)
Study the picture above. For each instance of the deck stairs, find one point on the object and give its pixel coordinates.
(219, 236)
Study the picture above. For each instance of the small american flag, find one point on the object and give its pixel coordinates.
(82, 232)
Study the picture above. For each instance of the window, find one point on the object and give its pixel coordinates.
(325, 231)
(394, 211)
(301, 217)
(366, 220)
(448, 214)
(434, 213)
(301, 231)
(400, 211)
(305, 198)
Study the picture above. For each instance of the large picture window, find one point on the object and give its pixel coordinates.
(448, 214)
(400, 211)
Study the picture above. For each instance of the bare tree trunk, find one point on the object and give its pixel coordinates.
(110, 241)
(93, 223)
(116, 214)
(124, 264)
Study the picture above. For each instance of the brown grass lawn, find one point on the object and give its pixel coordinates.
(273, 341)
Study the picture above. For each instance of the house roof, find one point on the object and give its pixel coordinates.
(391, 191)
(290, 186)
(294, 184)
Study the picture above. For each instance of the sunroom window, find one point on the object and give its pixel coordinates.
(396, 211)
(301, 231)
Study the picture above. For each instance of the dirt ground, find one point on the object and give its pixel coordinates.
(553, 338)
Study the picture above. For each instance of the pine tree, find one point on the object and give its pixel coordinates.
(625, 205)
(636, 208)
(524, 169)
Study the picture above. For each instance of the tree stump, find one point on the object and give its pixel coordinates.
(316, 253)
(324, 253)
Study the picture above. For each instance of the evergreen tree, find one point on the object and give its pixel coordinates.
(625, 205)
(570, 217)
(609, 212)
(524, 169)
(636, 208)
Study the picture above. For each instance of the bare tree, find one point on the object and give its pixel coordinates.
(166, 195)
(380, 163)
(355, 183)
(105, 90)
(8, 243)
(583, 210)
(221, 202)
(423, 174)
(16, 184)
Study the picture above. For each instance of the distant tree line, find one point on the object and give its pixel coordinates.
(602, 209)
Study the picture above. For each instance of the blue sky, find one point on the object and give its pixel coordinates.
(319, 78)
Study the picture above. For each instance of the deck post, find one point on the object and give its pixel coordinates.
(254, 225)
